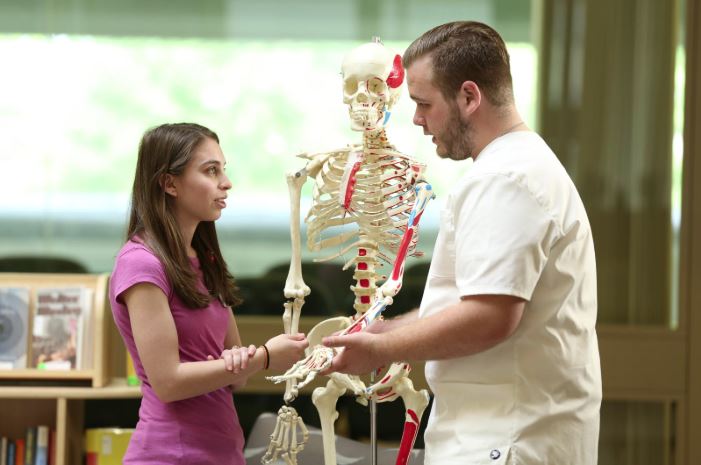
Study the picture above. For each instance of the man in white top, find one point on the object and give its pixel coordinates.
(507, 320)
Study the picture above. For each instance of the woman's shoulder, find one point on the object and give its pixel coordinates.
(135, 253)
(137, 263)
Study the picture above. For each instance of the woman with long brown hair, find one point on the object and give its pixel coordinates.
(171, 295)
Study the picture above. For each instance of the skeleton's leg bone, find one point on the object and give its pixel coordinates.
(415, 403)
(325, 401)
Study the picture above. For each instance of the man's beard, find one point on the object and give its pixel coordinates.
(457, 137)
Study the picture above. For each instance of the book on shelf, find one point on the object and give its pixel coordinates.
(30, 441)
(14, 317)
(41, 455)
(3, 451)
(20, 453)
(52, 447)
(62, 328)
(11, 452)
(39, 452)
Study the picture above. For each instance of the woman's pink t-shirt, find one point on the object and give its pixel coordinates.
(200, 430)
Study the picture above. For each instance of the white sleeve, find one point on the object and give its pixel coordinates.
(502, 238)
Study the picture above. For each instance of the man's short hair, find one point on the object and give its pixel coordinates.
(466, 51)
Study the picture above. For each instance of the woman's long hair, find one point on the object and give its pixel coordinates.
(166, 149)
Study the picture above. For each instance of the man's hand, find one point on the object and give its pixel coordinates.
(359, 354)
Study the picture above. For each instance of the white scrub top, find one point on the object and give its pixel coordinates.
(515, 225)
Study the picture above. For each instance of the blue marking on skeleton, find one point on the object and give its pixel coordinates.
(387, 114)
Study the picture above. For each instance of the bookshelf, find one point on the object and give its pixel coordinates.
(98, 374)
(30, 397)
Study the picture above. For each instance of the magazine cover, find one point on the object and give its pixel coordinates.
(14, 314)
(58, 326)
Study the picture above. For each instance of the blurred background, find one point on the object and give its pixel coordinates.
(605, 83)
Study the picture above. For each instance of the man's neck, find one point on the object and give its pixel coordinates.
(495, 123)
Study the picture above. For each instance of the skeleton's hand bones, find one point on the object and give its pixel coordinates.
(319, 359)
(359, 355)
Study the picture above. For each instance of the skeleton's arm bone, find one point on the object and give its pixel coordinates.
(424, 193)
(295, 288)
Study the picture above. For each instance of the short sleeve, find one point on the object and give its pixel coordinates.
(136, 266)
(503, 237)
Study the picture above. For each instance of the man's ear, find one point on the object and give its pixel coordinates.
(168, 184)
(469, 98)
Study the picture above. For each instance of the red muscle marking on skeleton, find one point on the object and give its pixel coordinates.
(351, 185)
(411, 428)
(416, 219)
(396, 76)
(358, 326)
(401, 254)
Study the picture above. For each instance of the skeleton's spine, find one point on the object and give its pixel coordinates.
(365, 277)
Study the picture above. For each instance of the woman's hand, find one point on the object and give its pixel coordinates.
(285, 350)
(236, 358)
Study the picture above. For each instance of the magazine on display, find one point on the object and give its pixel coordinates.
(61, 328)
(14, 317)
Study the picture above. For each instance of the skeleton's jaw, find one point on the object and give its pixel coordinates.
(367, 120)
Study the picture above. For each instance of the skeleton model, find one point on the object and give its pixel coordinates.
(375, 196)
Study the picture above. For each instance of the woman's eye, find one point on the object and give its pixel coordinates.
(212, 170)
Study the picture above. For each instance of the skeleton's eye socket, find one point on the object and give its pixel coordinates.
(376, 85)
(350, 87)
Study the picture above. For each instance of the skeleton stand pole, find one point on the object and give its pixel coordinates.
(373, 423)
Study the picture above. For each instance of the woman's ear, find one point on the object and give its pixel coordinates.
(168, 184)
(469, 98)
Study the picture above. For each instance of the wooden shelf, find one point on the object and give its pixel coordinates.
(62, 407)
(47, 374)
(117, 389)
(101, 319)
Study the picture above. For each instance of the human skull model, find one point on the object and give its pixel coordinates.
(372, 80)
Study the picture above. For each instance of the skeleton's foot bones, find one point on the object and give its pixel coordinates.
(283, 440)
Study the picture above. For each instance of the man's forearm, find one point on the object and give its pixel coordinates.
(465, 328)
(391, 324)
